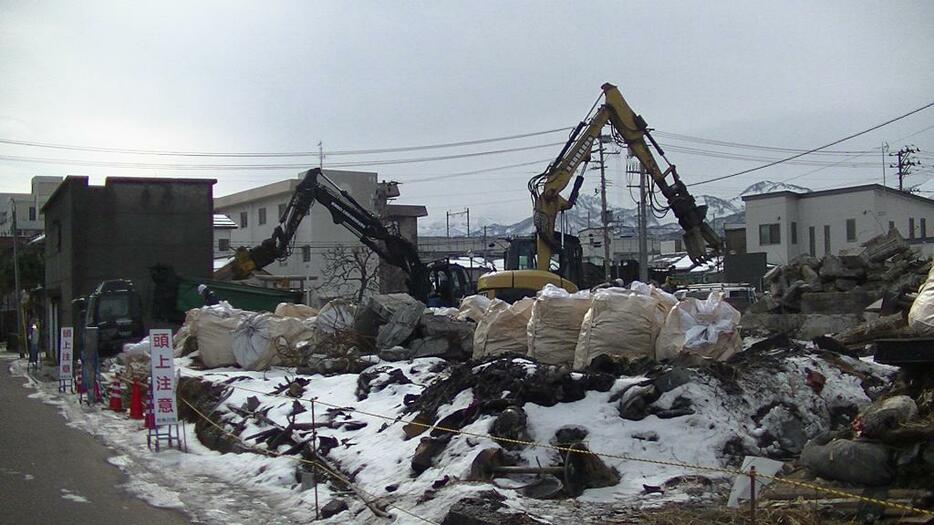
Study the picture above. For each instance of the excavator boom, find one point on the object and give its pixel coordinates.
(346, 211)
(699, 237)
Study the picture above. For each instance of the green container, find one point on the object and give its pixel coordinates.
(240, 296)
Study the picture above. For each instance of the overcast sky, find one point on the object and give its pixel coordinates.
(281, 76)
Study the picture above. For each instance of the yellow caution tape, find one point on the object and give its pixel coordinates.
(315, 464)
(622, 457)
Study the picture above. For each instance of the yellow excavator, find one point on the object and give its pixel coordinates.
(529, 268)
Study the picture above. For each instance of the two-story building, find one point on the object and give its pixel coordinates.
(29, 219)
(786, 224)
(256, 213)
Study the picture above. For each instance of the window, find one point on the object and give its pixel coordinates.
(770, 234)
(32, 213)
(924, 228)
(244, 216)
(306, 253)
(261, 220)
(826, 239)
(812, 242)
(911, 227)
(851, 230)
(281, 211)
(794, 233)
(223, 245)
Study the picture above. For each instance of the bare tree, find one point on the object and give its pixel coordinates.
(350, 271)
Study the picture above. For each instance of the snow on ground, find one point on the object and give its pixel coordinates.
(248, 488)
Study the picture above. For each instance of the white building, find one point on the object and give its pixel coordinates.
(29, 217)
(621, 248)
(256, 212)
(223, 225)
(786, 224)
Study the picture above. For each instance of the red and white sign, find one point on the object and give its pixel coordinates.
(163, 377)
(66, 353)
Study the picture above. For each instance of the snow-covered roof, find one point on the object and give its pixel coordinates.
(223, 221)
(477, 262)
(221, 261)
(682, 263)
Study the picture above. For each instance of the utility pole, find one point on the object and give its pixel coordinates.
(604, 219)
(320, 155)
(643, 228)
(634, 167)
(885, 149)
(904, 165)
(447, 220)
(20, 324)
(484, 246)
(447, 224)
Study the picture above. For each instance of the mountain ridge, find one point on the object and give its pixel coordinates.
(586, 213)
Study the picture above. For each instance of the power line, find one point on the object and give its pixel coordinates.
(825, 146)
(870, 152)
(740, 145)
(223, 167)
(473, 172)
(274, 154)
(847, 162)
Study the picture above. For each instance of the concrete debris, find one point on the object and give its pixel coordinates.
(510, 424)
(883, 417)
(401, 313)
(396, 353)
(333, 508)
(845, 283)
(781, 398)
(485, 508)
(860, 462)
(427, 449)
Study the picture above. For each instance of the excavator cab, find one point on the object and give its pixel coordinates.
(522, 279)
(566, 262)
(449, 284)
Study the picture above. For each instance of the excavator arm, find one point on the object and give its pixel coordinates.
(346, 211)
(545, 188)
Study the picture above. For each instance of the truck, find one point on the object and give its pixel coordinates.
(116, 310)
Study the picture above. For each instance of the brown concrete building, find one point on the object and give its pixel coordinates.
(118, 231)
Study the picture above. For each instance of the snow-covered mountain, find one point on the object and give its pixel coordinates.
(768, 186)
(586, 213)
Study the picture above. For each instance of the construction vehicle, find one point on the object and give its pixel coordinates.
(629, 129)
(115, 309)
(437, 283)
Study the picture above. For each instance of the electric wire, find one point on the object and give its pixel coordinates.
(740, 145)
(825, 146)
(224, 167)
(273, 154)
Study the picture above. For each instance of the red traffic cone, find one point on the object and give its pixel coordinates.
(116, 396)
(136, 401)
(79, 378)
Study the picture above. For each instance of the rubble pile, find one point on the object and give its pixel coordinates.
(769, 400)
(844, 284)
(890, 443)
(416, 399)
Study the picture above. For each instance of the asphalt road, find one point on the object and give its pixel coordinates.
(47, 468)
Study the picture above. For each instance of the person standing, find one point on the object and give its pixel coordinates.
(33, 339)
